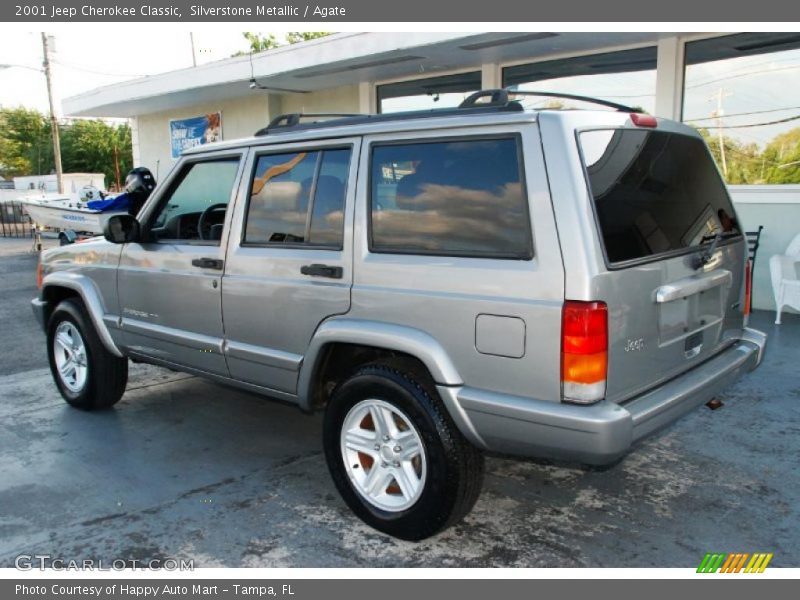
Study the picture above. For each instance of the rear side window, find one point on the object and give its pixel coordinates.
(456, 198)
(298, 198)
(654, 192)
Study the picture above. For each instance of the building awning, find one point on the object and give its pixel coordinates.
(336, 60)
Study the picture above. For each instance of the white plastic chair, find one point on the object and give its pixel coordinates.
(785, 272)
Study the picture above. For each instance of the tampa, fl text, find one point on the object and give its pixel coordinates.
(154, 591)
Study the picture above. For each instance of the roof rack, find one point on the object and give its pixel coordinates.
(294, 119)
(290, 123)
(502, 97)
(499, 100)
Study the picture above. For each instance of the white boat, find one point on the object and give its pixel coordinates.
(65, 213)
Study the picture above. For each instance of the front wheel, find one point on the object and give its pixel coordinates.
(396, 456)
(87, 375)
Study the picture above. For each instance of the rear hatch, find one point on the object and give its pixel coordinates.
(674, 253)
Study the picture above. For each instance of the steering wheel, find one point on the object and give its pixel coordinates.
(204, 215)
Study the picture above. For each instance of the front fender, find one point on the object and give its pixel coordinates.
(87, 290)
(398, 338)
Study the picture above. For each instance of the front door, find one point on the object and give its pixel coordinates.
(169, 285)
(289, 264)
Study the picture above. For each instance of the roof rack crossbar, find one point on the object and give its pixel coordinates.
(503, 97)
(496, 98)
(293, 120)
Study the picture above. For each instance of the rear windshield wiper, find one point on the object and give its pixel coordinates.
(721, 234)
(702, 259)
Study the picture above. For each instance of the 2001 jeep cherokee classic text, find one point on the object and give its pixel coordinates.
(539, 283)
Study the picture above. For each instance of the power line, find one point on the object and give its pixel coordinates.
(779, 121)
(741, 114)
(729, 77)
(738, 70)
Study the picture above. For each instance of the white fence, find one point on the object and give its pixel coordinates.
(777, 208)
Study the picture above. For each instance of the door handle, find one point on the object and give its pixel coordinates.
(693, 285)
(208, 263)
(322, 271)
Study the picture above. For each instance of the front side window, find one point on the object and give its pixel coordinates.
(298, 198)
(459, 198)
(194, 209)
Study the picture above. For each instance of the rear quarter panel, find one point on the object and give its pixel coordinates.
(638, 359)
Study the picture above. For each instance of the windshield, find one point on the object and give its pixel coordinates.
(654, 192)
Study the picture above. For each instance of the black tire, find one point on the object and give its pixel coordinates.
(454, 466)
(106, 374)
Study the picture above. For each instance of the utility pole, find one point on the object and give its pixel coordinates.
(718, 114)
(53, 119)
(194, 58)
(116, 167)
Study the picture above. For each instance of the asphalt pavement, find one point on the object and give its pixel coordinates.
(185, 468)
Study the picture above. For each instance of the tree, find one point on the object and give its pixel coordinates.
(91, 146)
(782, 158)
(26, 145)
(87, 146)
(742, 161)
(261, 42)
(294, 37)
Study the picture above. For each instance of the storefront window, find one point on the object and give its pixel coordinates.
(627, 77)
(446, 91)
(742, 92)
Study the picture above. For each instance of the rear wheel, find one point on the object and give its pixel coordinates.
(396, 456)
(87, 375)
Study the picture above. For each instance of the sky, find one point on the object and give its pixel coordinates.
(87, 58)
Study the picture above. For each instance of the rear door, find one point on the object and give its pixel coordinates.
(289, 262)
(459, 242)
(673, 249)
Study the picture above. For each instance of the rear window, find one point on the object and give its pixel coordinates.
(654, 192)
(457, 198)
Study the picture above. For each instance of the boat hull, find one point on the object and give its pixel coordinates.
(81, 220)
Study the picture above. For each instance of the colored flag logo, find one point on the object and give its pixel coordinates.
(734, 562)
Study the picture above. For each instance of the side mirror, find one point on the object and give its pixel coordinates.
(121, 229)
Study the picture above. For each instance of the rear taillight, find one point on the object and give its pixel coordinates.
(643, 120)
(748, 287)
(39, 274)
(584, 351)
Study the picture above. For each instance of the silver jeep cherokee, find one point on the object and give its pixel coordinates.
(442, 283)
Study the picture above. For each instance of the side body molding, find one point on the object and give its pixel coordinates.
(87, 290)
(380, 335)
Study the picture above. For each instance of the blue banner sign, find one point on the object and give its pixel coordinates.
(188, 133)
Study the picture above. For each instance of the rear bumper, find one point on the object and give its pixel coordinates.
(602, 432)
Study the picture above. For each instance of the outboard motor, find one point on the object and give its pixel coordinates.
(139, 184)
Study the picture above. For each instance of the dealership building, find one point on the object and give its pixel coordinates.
(743, 86)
